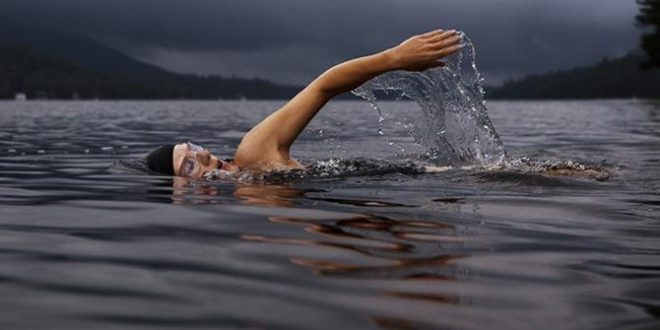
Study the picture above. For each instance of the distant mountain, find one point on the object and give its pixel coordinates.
(616, 78)
(23, 70)
(49, 64)
(85, 52)
(38, 76)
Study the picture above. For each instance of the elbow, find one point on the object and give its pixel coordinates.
(326, 86)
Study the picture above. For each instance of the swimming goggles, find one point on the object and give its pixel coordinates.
(191, 164)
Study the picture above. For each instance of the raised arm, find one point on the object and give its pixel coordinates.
(270, 140)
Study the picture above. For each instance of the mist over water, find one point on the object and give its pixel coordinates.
(452, 122)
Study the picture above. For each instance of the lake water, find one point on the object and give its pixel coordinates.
(88, 241)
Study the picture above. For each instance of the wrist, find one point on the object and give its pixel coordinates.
(390, 59)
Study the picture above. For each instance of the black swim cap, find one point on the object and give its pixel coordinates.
(161, 159)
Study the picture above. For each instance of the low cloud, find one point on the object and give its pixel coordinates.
(289, 40)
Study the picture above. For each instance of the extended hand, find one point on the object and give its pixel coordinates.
(424, 51)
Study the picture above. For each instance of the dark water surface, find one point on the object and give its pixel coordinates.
(89, 243)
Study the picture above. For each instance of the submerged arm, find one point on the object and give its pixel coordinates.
(271, 139)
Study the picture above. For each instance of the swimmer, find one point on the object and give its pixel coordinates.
(266, 146)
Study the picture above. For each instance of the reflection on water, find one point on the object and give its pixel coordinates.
(399, 246)
(408, 250)
(267, 195)
(86, 244)
(402, 250)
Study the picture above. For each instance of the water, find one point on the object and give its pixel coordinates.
(452, 120)
(87, 242)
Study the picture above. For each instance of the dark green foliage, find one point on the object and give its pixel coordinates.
(649, 18)
(617, 78)
(23, 70)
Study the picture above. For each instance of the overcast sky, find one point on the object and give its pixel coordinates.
(293, 40)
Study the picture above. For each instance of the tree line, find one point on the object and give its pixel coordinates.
(23, 70)
(649, 19)
(609, 79)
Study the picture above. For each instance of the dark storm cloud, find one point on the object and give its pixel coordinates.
(203, 36)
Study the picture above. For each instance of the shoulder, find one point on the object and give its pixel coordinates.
(263, 155)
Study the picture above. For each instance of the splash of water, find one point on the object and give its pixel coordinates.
(524, 170)
(453, 123)
(520, 170)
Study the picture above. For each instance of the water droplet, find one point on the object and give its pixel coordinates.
(380, 125)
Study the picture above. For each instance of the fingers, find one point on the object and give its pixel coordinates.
(442, 35)
(432, 33)
(444, 43)
(449, 50)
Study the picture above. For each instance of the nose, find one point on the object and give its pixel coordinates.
(204, 157)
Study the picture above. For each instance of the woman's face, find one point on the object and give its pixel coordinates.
(193, 161)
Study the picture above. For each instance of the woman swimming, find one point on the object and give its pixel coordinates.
(266, 146)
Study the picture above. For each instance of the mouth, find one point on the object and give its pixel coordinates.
(226, 165)
(220, 164)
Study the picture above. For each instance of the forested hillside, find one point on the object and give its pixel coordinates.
(617, 78)
(23, 70)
